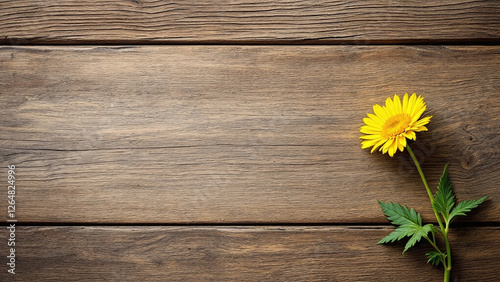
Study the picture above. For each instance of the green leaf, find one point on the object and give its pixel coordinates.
(398, 234)
(410, 224)
(435, 257)
(421, 232)
(466, 206)
(400, 215)
(444, 200)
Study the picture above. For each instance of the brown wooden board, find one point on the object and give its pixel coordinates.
(324, 21)
(232, 134)
(271, 253)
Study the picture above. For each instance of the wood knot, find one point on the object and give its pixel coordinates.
(468, 160)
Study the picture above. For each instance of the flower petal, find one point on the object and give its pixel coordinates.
(411, 103)
(377, 119)
(403, 143)
(417, 107)
(382, 141)
(386, 145)
(422, 128)
(405, 103)
(368, 143)
(372, 123)
(417, 115)
(423, 121)
(380, 112)
(410, 135)
(397, 104)
(393, 148)
(370, 137)
(369, 130)
(389, 105)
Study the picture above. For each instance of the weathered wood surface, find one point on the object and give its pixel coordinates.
(272, 253)
(231, 134)
(76, 21)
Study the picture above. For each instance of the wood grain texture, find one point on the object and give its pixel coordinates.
(72, 21)
(225, 134)
(272, 253)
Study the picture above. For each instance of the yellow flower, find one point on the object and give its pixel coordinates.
(391, 124)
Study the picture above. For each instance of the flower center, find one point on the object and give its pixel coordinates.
(395, 125)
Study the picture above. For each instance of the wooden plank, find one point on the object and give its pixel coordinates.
(272, 253)
(225, 134)
(327, 21)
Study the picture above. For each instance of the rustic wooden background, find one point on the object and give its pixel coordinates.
(218, 140)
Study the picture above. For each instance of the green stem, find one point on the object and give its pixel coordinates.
(417, 164)
(447, 269)
(446, 275)
(429, 192)
(434, 245)
(444, 231)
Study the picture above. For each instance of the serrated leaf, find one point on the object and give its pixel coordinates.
(421, 232)
(410, 224)
(466, 206)
(402, 231)
(444, 200)
(435, 257)
(400, 215)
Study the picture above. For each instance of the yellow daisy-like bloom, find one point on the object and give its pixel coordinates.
(391, 124)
